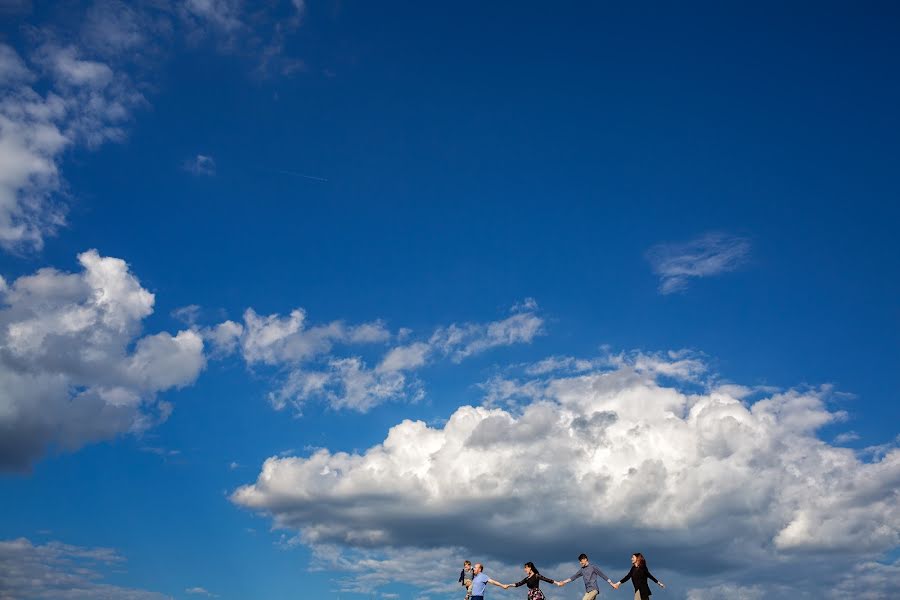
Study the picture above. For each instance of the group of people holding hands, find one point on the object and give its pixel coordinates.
(475, 581)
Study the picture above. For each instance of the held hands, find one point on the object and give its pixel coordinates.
(560, 583)
(616, 585)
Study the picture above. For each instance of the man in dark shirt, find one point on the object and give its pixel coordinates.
(589, 573)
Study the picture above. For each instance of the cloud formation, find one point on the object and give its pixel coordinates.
(76, 86)
(56, 571)
(201, 165)
(74, 368)
(711, 254)
(313, 368)
(704, 477)
(81, 102)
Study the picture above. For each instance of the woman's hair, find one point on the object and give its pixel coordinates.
(641, 562)
(533, 568)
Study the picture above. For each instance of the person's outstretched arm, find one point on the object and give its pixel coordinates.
(624, 579)
(572, 578)
(542, 578)
(497, 583)
(602, 575)
(658, 582)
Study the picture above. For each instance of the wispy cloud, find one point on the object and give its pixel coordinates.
(199, 591)
(187, 314)
(846, 437)
(321, 361)
(201, 165)
(56, 100)
(57, 570)
(70, 87)
(711, 254)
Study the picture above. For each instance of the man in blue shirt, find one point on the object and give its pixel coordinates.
(590, 573)
(479, 583)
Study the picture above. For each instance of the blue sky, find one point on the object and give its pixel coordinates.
(580, 278)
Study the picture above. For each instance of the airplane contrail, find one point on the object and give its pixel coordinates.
(296, 174)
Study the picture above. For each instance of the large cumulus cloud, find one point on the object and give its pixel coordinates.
(74, 368)
(703, 477)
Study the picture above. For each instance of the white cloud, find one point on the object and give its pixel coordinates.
(708, 255)
(274, 339)
(404, 358)
(364, 571)
(73, 367)
(201, 165)
(189, 315)
(869, 580)
(314, 368)
(59, 96)
(55, 571)
(199, 591)
(682, 364)
(221, 14)
(288, 343)
(72, 70)
(12, 69)
(252, 31)
(113, 28)
(846, 437)
(299, 6)
(224, 337)
(85, 103)
(560, 363)
(461, 341)
(346, 383)
(605, 461)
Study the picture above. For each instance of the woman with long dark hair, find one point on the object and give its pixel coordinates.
(639, 574)
(533, 580)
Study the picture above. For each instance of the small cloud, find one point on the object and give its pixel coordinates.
(879, 451)
(710, 254)
(528, 304)
(160, 451)
(187, 314)
(224, 337)
(846, 437)
(234, 465)
(199, 591)
(201, 165)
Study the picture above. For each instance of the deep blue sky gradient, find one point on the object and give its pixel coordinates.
(476, 155)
